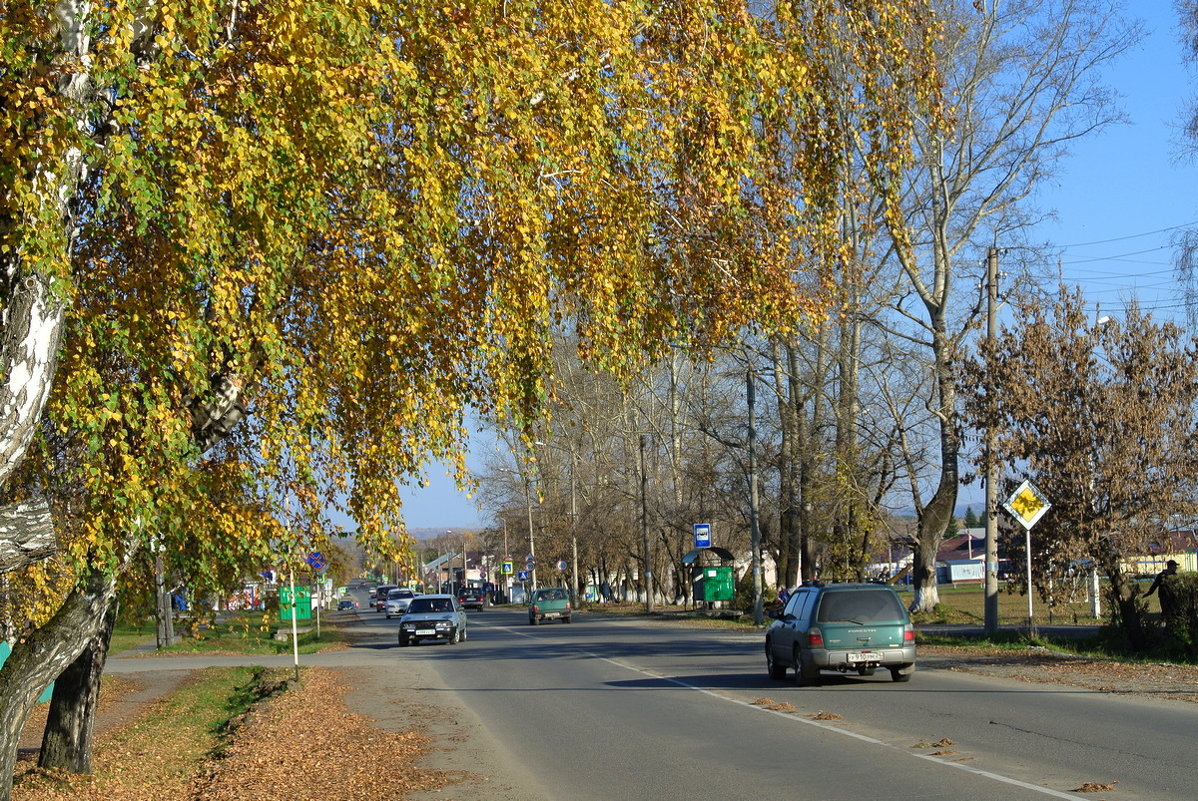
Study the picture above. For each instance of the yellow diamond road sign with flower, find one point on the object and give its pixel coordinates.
(1027, 504)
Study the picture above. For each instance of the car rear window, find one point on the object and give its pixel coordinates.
(860, 606)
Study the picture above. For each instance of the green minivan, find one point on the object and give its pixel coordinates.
(841, 627)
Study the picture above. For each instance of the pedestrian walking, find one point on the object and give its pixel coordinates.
(1161, 582)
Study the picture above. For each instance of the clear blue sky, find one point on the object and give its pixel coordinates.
(1122, 194)
(1119, 196)
(440, 504)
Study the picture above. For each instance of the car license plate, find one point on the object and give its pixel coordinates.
(864, 656)
(425, 631)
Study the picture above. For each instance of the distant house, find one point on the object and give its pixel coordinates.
(1180, 545)
(962, 559)
(969, 545)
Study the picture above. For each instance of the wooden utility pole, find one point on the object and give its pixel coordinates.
(990, 610)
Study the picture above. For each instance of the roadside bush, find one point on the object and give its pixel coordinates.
(743, 597)
(1179, 596)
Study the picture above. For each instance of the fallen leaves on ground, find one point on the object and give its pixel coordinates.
(774, 706)
(821, 715)
(943, 742)
(300, 744)
(284, 749)
(1095, 787)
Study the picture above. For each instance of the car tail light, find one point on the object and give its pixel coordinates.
(567, 606)
(536, 608)
(908, 634)
(815, 638)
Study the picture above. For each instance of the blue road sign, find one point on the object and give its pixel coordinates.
(522, 575)
(702, 535)
(317, 560)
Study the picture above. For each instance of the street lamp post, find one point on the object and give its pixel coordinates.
(532, 551)
(573, 527)
(532, 548)
(645, 531)
(755, 527)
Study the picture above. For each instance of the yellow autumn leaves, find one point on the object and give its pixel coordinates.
(375, 214)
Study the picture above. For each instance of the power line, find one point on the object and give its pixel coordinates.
(1117, 255)
(1130, 236)
(1099, 275)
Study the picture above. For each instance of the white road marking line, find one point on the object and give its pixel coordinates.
(998, 777)
(864, 738)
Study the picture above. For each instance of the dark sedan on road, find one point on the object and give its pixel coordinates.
(472, 598)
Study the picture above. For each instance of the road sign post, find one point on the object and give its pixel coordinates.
(1027, 504)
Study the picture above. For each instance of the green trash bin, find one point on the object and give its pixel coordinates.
(714, 584)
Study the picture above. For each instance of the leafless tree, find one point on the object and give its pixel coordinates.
(1024, 78)
(1101, 416)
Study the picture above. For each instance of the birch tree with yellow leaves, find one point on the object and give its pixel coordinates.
(267, 250)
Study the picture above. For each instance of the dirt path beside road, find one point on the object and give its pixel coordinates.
(1036, 664)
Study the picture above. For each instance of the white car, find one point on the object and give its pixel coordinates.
(433, 617)
(397, 602)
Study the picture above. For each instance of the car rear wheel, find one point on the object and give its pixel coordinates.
(533, 620)
(777, 671)
(566, 619)
(806, 674)
(404, 640)
(899, 675)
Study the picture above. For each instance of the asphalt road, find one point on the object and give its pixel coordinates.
(608, 708)
(614, 709)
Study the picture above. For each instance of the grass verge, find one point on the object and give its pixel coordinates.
(126, 637)
(254, 635)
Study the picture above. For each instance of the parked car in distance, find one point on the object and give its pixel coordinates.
(549, 603)
(472, 598)
(841, 627)
(380, 596)
(397, 602)
(344, 604)
(433, 617)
